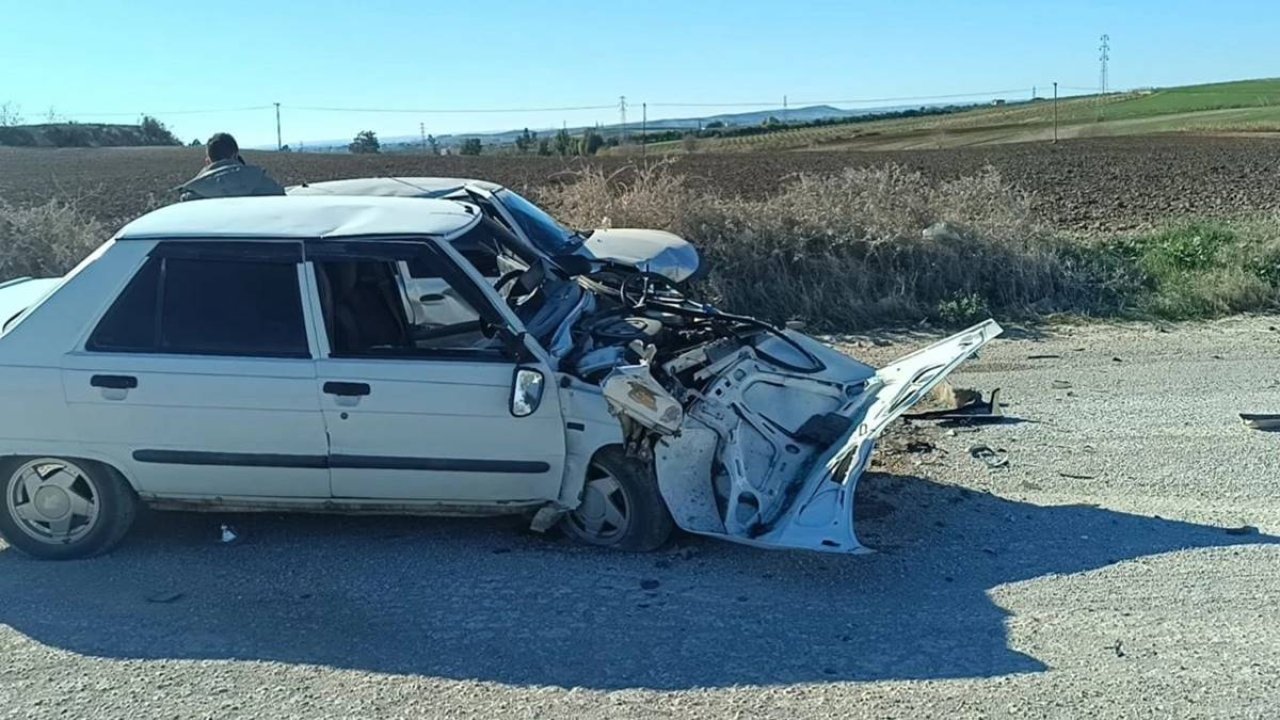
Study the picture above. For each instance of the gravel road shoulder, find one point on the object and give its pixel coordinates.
(1094, 574)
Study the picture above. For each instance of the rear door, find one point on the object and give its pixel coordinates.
(199, 377)
(418, 408)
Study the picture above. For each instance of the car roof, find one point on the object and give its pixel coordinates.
(284, 217)
(415, 187)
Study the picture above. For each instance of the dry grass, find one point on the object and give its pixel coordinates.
(865, 247)
(861, 248)
(45, 240)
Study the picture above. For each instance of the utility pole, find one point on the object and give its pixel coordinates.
(622, 111)
(279, 140)
(1104, 56)
(784, 110)
(1055, 112)
(644, 128)
(422, 130)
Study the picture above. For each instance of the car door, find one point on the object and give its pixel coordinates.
(199, 377)
(420, 408)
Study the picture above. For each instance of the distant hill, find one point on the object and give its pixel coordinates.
(508, 137)
(87, 135)
(1251, 106)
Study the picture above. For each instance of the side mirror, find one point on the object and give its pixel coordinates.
(526, 391)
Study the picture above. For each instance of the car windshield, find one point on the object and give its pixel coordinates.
(542, 229)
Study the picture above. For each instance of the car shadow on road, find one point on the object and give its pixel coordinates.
(484, 600)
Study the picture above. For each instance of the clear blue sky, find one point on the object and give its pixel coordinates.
(153, 56)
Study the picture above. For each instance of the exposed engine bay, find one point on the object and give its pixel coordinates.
(756, 433)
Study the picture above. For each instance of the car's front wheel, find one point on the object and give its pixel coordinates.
(621, 507)
(61, 509)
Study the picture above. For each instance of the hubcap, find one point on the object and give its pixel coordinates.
(53, 501)
(604, 513)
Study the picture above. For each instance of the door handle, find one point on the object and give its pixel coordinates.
(431, 298)
(346, 389)
(114, 382)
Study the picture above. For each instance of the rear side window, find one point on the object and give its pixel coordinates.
(207, 306)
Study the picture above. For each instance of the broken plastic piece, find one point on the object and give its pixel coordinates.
(229, 535)
(1261, 422)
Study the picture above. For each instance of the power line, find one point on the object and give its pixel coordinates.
(165, 112)
(460, 111)
(774, 103)
(787, 102)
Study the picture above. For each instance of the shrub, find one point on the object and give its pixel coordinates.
(865, 247)
(154, 132)
(1202, 269)
(45, 240)
(365, 142)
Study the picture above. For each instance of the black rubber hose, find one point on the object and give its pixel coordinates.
(715, 314)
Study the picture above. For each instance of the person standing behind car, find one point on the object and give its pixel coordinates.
(226, 174)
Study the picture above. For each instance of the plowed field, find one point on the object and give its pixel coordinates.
(1104, 184)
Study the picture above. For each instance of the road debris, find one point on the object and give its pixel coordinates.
(1044, 356)
(165, 597)
(991, 457)
(1261, 421)
(1118, 648)
(920, 446)
(1075, 476)
(1061, 385)
(229, 535)
(969, 409)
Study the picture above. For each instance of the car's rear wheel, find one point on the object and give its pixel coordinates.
(621, 507)
(61, 509)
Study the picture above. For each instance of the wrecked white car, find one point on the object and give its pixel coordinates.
(269, 354)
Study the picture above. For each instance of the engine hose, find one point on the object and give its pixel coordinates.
(715, 314)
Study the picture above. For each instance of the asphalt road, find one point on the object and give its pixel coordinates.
(1093, 575)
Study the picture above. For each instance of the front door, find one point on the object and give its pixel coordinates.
(418, 406)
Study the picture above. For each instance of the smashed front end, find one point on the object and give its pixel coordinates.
(758, 435)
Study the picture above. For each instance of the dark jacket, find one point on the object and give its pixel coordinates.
(229, 178)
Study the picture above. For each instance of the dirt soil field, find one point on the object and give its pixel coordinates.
(1121, 564)
(1104, 184)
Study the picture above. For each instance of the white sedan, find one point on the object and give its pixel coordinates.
(264, 354)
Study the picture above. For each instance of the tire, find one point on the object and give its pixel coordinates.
(621, 507)
(80, 508)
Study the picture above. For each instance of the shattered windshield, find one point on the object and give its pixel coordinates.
(542, 229)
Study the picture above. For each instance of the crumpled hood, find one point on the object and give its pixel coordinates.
(655, 251)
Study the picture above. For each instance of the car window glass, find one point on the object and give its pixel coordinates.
(207, 307)
(542, 229)
(130, 325)
(370, 311)
(231, 307)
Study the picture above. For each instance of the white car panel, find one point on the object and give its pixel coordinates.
(450, 422)
(186, 410)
